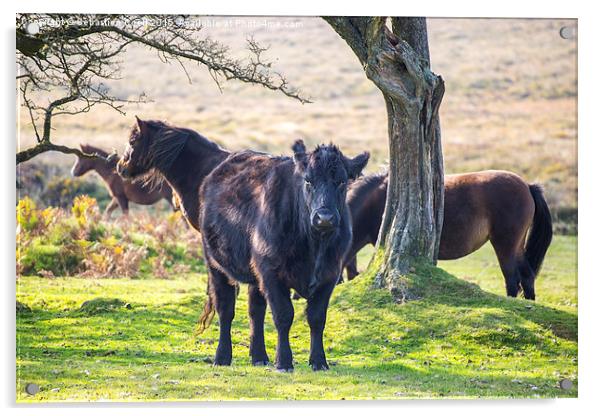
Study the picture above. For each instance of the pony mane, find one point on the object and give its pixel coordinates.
(326, 156)
(90, 149)
(166, 145)
(358, 190)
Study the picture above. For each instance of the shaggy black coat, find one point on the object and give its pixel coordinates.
(276, 224)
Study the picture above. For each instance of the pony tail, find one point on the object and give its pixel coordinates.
(206, 317)
(541, 232)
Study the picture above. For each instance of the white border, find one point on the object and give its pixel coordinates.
(590, 279)
(437, 8)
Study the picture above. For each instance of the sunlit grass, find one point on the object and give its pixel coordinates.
(458, 340)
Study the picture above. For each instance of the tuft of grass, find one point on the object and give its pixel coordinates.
(457, 340)
(102, 305)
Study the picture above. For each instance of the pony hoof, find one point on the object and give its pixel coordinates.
(285, 370)
(320, 367)
(221, 363)
(261, 363)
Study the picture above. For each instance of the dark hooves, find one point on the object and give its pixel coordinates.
(320, 367)
(261, 363)
(221, 363)
(285, 370)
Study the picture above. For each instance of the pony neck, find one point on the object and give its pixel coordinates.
(186, 175)
(104, 169)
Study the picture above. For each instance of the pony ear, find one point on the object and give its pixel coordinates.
(112, 157)
(299, 152)
(356, 165)
(142, 126)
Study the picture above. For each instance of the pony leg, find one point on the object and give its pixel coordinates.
(110, 208)
(316, 318)
(257, 307)
(509, 265)
(279, 299)
(173, 203)
(527, 279)
(224, 298)
(351, 268)
(123, 204)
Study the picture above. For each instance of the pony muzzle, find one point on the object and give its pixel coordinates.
(324, 220)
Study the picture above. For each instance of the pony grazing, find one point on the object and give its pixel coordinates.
(494, 206)
(274, 223)
(122, 191)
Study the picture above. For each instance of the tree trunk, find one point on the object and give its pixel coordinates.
(397, 62)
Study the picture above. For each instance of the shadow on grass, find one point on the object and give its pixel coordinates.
(381, 380)
(440, 381)
(446, 289)
(492, 320)
(454, 312)
(372, 336)
(113, 334)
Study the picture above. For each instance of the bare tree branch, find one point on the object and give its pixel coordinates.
(63, 69)
(49, 147)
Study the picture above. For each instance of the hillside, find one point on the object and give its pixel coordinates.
(510, 101)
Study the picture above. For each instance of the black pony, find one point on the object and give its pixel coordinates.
(275, 223)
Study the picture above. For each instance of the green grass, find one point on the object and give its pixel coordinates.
(457, 340)
(556, 285)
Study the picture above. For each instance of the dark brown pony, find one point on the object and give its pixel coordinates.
(122, 191)
(491, 205)
(183, 158)
(274, 223)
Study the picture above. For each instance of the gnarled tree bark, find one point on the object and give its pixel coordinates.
(397, 61)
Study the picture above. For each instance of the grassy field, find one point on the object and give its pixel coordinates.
(510, 103)
(457, 340)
